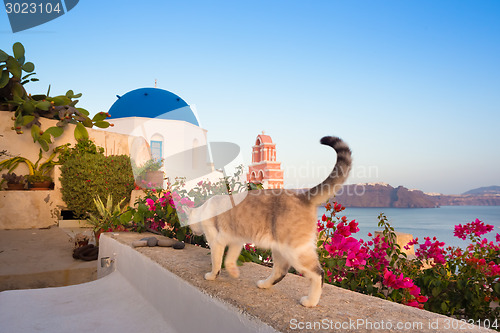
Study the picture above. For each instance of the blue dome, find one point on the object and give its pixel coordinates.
(152, 103)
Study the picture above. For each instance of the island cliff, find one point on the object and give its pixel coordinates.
(384, 195)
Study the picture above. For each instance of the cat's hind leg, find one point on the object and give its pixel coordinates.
(216, 253)
(233, 252)
(280, 268)
(308, 265)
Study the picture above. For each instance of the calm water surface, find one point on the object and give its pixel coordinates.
(423, 222)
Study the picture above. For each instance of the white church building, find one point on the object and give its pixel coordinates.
(161, 125)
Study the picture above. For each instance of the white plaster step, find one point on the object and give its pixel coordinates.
(107, 305)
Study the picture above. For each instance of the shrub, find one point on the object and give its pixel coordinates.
(373, 267)
(461, 283)
(82, 146)
(86, 176)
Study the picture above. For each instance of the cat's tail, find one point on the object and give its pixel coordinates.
(333, 183)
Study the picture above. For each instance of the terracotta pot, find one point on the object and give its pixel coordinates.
(41, 186)
(155, 178)
(15, 187)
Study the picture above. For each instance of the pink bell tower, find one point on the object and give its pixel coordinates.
(264, 168)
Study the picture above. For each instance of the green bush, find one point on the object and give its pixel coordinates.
(86, 176)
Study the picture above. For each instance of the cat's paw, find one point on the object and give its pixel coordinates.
(263, 284)
(305, 301)
(233, 271)
(210, 276)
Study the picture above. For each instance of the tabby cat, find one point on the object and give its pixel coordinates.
(281, 220)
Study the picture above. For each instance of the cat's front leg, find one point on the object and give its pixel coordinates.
(216, 252)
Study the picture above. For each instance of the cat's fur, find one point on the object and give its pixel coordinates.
(280, 220)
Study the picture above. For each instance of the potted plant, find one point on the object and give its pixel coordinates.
(150, 174)
(110, 216)
(39, 181)
(38, 172)
(14, 182)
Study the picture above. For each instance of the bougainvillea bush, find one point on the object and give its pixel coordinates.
(371, 267)
(157, 212)
(464, 283)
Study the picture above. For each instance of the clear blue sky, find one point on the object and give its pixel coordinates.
(412, 86)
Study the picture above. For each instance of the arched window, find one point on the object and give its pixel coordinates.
(157, 146)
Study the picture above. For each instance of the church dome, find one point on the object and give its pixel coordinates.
(152, 103)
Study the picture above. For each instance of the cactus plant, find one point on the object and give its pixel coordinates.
(29, 108)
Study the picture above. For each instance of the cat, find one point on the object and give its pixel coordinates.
(281, 220)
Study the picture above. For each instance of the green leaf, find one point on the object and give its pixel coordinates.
(14, 68)
(38, 97)
(43, 105)
(444, 307)
(101, 124)
(82, 110)
(35, 132)
(18, 49)
(77, 95)
(70, 94)
(44, 144)
(81, 132)
(126, 217)
(21, 61)
(28, 67)
(28, 107)
(61, 100)
(45, 137)
(18, 90)
(85, 121)
(55, 131)
(496, 288)
(27, 120)
(3, 56)
(99, 116)
(4, 78)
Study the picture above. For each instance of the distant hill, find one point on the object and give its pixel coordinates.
(484, 190)
(384, 195)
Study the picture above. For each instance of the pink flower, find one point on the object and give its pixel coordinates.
(150, 203)
(422, 299)
(497, 238)
(353, 226)
(187, 202)
(475, 228)
(431, 250)
(414, 290)
(338, 207)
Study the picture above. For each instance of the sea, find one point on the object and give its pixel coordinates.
(424, 222)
